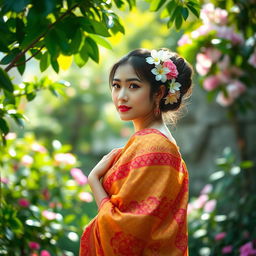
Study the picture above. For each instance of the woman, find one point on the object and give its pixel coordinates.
(142, 188)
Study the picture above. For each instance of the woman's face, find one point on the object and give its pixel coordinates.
(130, 95)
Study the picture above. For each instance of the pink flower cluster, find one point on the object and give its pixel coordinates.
(203, 201)
(23, 202)
(214, 20)
(247, 249)
(86, 197)
(234, 90)
(78, 176)
(206, 59)
(210, 14)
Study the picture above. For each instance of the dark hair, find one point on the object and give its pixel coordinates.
(137, 59)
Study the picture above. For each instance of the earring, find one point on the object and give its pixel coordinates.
(157, 111)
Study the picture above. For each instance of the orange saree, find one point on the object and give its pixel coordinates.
(147, 206)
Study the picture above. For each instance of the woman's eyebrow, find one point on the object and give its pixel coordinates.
(127, 80)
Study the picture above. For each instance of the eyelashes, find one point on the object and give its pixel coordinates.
(132, 86)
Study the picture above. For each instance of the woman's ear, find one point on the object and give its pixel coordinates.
(161, 92)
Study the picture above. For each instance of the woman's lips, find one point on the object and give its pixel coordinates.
(123, 108)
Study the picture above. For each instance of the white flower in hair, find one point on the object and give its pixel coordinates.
(160, 72)
(164, 55)
(174, 86)
(155, 58)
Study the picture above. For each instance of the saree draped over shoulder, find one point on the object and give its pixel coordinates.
(146, 213)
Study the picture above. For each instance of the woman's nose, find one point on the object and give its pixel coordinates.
(123, 94)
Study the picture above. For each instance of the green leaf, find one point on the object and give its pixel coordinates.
(101, 41)
(55, 65)
(79, 60)
(21, 64)
(30, 96)
(119, 3)
(100, 28)
(4, 126)
(178, 21)
(84, 53)
(247, 164)
(5, 81)
(44, 62)
(193, 9)
(92, 49)
(19, 119)
(76, 41)
(156, 5)
(51, 44)
(184, 12)
(14, 5)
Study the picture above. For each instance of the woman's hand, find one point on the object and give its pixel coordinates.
(104, 164)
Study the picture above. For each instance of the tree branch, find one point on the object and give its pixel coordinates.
(15, 60)
(33, 55)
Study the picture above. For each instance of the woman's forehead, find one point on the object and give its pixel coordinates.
(125, 71)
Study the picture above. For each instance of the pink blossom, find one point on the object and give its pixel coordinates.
(27, 160)
(213, 53)
(79, 176)
(234, 90)
(23, 202)
(65, 158)
(211, 83)
(210, 14)
(10, 136)
(45, 253)
(210, 205)
(49, 215)
(185, 39)
(252, 59)
(38, 148)
(206, 189)
(34, 245)
(227, 249)
(229, 34)
(4, 180)
(173, 69)
(200, 201)
(203, 64)
(247, 249)
(220, 236)
(202, 30)
(86, 197)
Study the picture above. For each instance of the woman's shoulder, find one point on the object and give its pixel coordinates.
(154, 140)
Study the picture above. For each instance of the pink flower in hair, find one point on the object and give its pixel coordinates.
(173, 69)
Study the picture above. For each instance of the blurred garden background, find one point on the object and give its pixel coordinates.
(57, 119)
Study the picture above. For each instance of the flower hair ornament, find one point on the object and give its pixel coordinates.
(165, 71)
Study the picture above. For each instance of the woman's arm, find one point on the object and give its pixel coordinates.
(97, 172)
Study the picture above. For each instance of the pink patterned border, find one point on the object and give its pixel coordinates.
(142, 161)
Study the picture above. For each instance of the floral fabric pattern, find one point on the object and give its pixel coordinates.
(146, 211)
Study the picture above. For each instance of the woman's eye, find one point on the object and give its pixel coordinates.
(115, 85)
(134, 86)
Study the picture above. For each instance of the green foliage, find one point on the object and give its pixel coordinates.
(46, 30)
(224, 213)
(40, 200)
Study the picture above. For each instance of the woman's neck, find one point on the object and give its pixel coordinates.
(156, 124)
